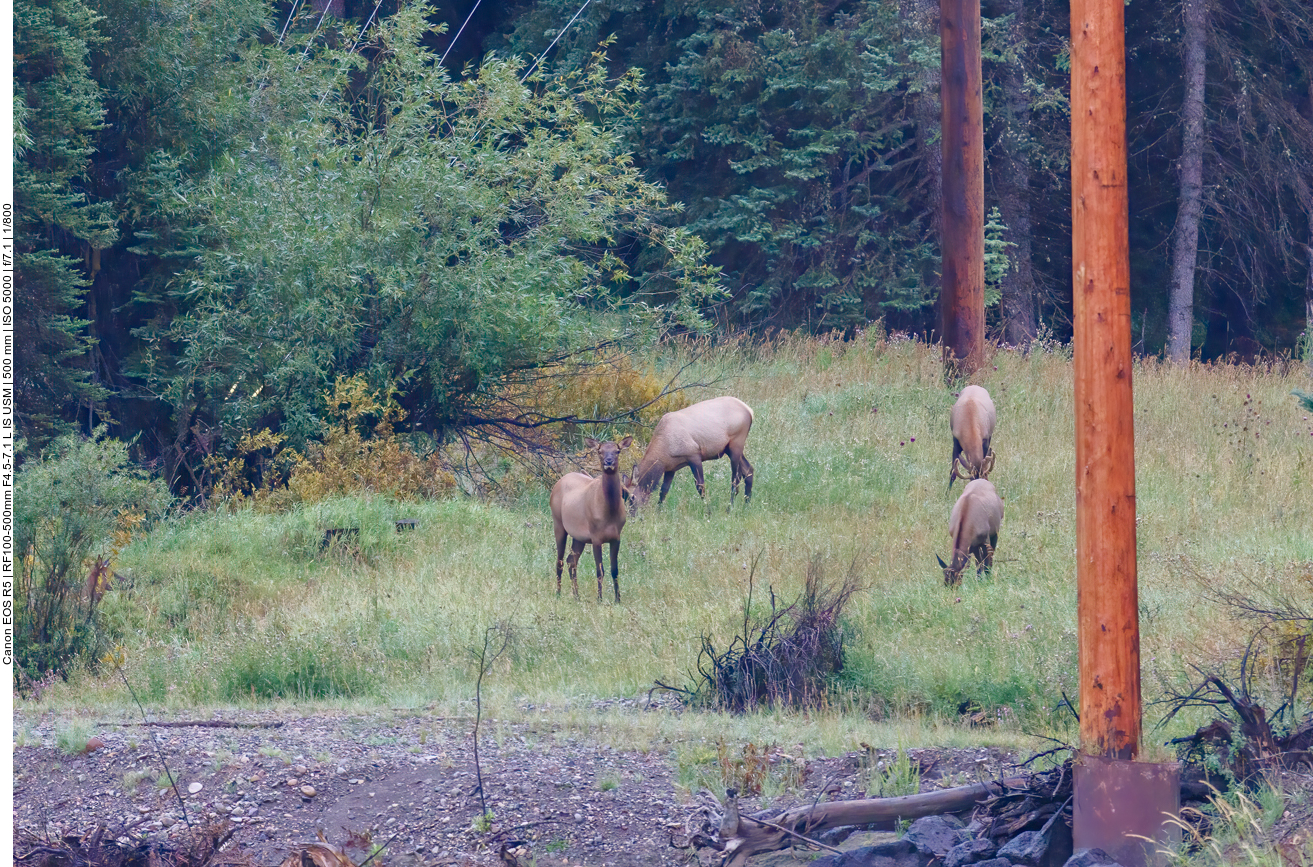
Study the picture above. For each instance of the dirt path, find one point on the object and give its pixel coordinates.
(405, 780)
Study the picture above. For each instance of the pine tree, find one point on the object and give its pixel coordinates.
(59, 231)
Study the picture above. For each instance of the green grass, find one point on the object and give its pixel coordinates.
(851, 449)
(71, 736)
(1242, 831)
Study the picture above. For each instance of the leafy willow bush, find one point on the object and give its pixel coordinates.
(431, 236)
(75, 507)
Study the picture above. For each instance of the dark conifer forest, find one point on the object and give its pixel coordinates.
(226, 207)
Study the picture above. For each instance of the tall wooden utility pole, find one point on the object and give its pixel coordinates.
(1105, 433)
(1116, 799)
(963, 243)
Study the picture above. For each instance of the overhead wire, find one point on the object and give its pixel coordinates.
(443, 60)
(369, 21)
(291, 13)
(310, 41)
(538, 60)
(354, 45)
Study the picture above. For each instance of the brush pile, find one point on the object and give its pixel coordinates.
(786, 659)
(1028, 803)
(123, 847)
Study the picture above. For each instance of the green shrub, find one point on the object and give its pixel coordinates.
(74, 508)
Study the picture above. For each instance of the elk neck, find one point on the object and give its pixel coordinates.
(611, 491)
(648, 473)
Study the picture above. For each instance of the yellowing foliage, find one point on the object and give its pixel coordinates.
(606, 387)
(360, 452)
(259, 466)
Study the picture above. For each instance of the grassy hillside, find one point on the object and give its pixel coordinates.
(851, 449)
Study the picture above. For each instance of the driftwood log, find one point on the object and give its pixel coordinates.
(740, 837)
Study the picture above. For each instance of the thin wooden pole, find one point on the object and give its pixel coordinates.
(962, 296)
(1107, 593)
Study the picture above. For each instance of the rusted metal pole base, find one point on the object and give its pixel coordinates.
(1127, 809)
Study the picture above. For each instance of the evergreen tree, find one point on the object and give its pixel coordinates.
(178, 94)
(59, 232)
(793, 138)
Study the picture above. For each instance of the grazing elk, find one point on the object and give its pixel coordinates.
(972, 422)
(973, 526)
(590, 510)
(704, 431)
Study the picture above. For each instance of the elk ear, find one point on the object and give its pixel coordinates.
(942, 564)
(591, 443)
(627, 441)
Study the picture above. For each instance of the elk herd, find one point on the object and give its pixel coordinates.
(592, 510)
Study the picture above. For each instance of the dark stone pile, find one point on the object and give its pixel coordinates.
(945, 841)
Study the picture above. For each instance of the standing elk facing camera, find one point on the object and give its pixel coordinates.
(972, 422)
(590, 510)
(704, 431)
(973, 526)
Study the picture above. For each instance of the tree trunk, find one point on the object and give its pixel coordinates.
(1012, 183)
(1185, 244)
(962, 254)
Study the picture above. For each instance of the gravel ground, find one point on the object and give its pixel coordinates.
(400, 779)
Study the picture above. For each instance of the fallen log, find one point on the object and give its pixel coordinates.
(199, 723)
(768, 832)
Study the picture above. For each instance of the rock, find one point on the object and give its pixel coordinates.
(835, 836)
(971, 852)
(935, 835)
(900, 853)
(93, 743)
(194, 788)
(849, 837)
(860, 839)
(1027, 849)
(994, 862)
(308, 791)
(1091, 858)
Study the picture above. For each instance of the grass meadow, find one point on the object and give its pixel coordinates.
(851, 449)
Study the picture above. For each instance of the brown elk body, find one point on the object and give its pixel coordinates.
(590, 511)
(704, 431)
(972, 422)
(100, 579)
(973, 527)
